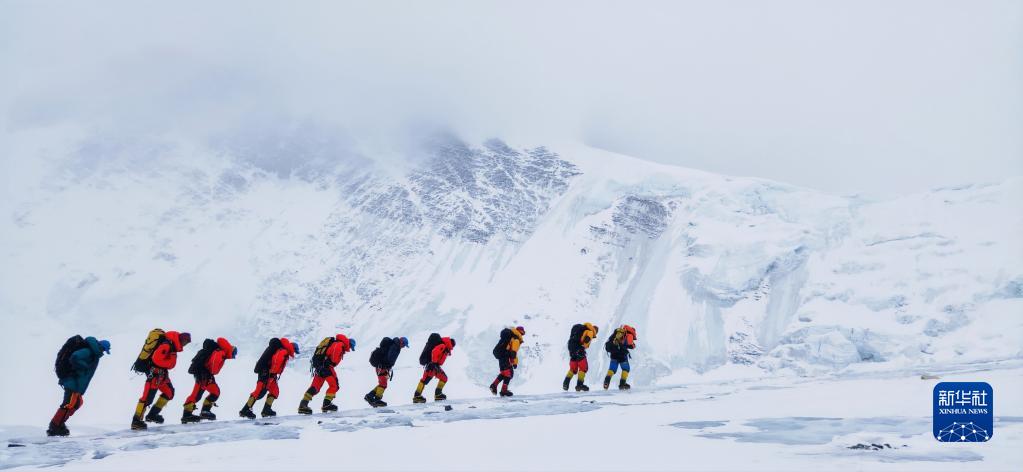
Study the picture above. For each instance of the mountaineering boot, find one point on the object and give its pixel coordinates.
(418, 398)
(188, 417)
(267, 411)
(246, 412)
(207, 415)
(623, 386)
(564, 385)
(373, 401)
(137, 424)
(607, 382)
(57, 430)
(303, 408)
(506, 393)
(154, 415)
(581, 387)
(439, 396)
(493, 389)
(328, 406)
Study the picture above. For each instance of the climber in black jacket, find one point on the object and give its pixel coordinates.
(383, 359)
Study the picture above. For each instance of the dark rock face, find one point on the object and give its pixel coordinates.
(639, 215)
(385, 223)
(470, 193)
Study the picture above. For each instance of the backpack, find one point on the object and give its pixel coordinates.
(319, 358)
(263, 364)
(144, 361)
(198, 366)
(62, 367)
(501, 349)
(379, 355)
(574, 338)
(431, 343)
(609, 346)
(615, 345)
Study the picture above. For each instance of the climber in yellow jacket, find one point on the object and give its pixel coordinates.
(578, 342)
(507, 353)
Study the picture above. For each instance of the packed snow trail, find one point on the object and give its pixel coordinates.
(43, 451)
(837, 419)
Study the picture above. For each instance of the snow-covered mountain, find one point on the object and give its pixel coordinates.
(297, 234)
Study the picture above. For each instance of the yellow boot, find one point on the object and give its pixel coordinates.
(418, 397)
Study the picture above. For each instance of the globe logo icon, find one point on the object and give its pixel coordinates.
(962, 432)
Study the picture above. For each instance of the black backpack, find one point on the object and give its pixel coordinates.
(263, 364)
(501, 349)
(614, 349)
(431, 343)
(573, 338)
(198, 365)
(379, 355)
(609, 345)
(62, 367)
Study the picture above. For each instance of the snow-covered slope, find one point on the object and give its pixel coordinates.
(300, 236)
(879, 421)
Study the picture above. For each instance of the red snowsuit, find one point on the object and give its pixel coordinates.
(213, 365)
(326, 373)
(383, 375)
(438, 355)
(268, 383)
(165, 357)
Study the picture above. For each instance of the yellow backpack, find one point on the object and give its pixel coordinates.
(144, 361)
(320, 354)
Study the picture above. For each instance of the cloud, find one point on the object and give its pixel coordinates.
(861, 96)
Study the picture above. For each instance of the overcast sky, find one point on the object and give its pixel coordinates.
(875, 96)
